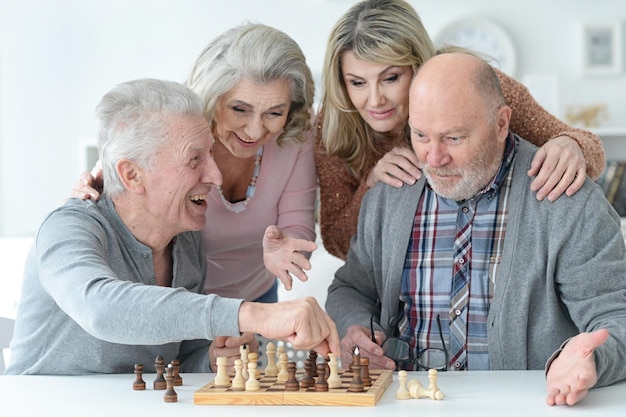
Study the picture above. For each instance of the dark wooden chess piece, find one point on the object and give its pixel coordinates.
(178, 380)
(307, 380)
(292, 383)
(139, 384)
(365, 372)
(313, 357)
(320, 384)
(356, 385)
(159, 382)
(170, 395)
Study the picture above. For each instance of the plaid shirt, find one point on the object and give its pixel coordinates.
(427, 273)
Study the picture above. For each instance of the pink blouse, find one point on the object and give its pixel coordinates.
(284, 196)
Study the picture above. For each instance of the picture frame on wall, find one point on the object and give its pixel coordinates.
(602, 49)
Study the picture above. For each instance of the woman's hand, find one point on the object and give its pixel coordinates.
(559, 166)
(396, 167)
(283, 255)
(89, 185)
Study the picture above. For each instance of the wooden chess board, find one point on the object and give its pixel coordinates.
(273, 392)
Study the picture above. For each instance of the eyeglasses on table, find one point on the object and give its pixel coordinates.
(400, 351)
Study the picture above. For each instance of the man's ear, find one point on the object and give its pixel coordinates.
(131, 176)
(504, 118)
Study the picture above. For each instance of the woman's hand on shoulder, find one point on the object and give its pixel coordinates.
(284, 256)
(559, 167)
(396, 167)
(89, 185)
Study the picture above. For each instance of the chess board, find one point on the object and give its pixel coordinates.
(273, 392)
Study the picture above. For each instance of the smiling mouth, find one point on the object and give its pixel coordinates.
(198, 199)
(381, 114)
(250, 142)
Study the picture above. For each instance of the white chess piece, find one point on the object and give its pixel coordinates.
(432, 384)
(334, 380)
(239, 382)
(252, 384)
(271, 369)
(244, 350)
(403, 391)
(222, 379)
(283, 375)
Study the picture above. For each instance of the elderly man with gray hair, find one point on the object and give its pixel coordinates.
(119, 281)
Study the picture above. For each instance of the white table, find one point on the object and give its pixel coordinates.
(497, 393)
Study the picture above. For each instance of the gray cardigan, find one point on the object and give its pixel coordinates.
(563, 271)
(90, 304)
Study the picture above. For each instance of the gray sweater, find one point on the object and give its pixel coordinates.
(90, 303)
(563, 271)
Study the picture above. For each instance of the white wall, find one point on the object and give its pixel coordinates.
(58, 57)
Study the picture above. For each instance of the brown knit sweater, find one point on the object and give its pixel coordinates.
(341, 193)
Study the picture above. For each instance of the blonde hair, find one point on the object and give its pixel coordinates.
(260, 54)
(382, 31)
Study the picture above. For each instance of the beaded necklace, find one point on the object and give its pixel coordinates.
(240, 206)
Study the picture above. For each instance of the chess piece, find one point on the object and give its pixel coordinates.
(321, 385)
(432, 385)
(252, 384)
(356, 385)
(178, 380)
(254, 357)
(159, 382)
(403, 391)
(244, 350)
(334, 380)
(139, 384)
(307, 380)
(356, 358)
(170, 395)
(271, 369)
(239, 382)
(279, 351)
(282, 368)
(313, 357)
(365, 372)
(292, 383)
(221, 378)
(417, 390)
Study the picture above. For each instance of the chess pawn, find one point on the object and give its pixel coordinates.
(282, 368)
(221, 379)
(334, 380)
(178, 380)
(254, 357)
(321, 385)
(307, 380)
(271, 369)
(432, 384)
(170, 395)
(239, 382)
(403, 391)
(252, 384)
(292, 383)
(159, 382)
(139, 384)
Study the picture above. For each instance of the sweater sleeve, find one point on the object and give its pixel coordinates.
(296, 206)
(340, 200)
(535, 124)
